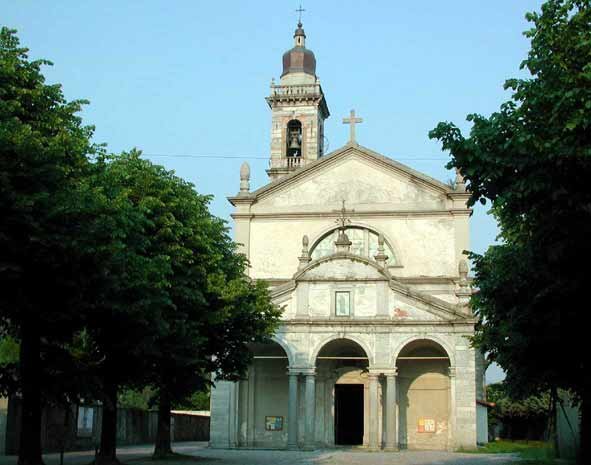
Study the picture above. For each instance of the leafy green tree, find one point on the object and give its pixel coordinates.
(522, 418)
(44, 153)
(210, 309)
(238, 312)
(130, 290)
(196, 401)
(141, 399)
(9, 350)
(532, 160)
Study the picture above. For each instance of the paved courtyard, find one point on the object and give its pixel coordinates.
(201, 455)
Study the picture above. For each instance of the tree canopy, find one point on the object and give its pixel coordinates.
(114, 272)
(532, 161)
(45, 151)
(521, 418)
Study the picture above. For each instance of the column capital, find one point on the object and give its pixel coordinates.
(374, 374)
(451, 372)
(308, 371)
(391, 373)
(301, 370)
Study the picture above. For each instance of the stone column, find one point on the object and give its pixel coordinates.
(243, 412)
(310, 410)
(391, 431)
(451, 438)
(234, 393)
(250, 437)
(292, 411)
(374, 440)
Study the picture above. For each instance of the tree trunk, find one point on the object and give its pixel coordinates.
(163, 445)
(553, 420)
(585, 453)
(107, 454)
(30, 370)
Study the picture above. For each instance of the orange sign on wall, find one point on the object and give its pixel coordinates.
(426, 425)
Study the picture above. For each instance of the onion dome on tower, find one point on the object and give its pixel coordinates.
(299, 59)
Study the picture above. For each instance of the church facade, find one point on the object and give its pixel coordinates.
(365, 257)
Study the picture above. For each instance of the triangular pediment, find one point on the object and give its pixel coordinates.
(357, 175)
(402, 304)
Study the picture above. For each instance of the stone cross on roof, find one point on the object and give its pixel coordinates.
(351, 121)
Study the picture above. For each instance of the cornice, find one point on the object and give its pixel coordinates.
(372, 323)
(408, 280)
(358, 214)
(242, 199)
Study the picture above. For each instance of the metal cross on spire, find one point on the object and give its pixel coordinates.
(300, 10)
(342, 220)
(351, 121)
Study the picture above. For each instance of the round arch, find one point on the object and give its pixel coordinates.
(334, 337)
(267, 348)
(434, 339)
(286, 349)
(319, 236)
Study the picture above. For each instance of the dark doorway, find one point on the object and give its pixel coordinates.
(348, 418)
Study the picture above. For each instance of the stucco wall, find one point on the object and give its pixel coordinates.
(425, 246)
(424, 394)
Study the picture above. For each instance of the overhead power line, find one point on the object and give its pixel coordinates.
(256, 157)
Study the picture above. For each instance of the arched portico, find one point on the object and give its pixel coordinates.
(342, 367)
(328, 343)
(262, 397)
(424, 395)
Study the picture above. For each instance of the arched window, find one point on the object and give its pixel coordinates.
(364, 243)
(294, 138)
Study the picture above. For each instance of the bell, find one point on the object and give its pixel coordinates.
(294, 143)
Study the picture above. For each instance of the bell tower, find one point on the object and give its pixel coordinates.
(298, 111)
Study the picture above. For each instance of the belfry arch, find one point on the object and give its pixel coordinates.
(294, 138)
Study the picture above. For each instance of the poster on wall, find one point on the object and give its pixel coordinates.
(85, 421)
(273, 423)
(426, 425)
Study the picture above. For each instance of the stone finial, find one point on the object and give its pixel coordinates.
(463, 272)
(343, 243)
(460, 184)
(381, 256)
(305, 257)
(245, 178)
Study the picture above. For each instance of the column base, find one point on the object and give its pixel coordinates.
(309, 448)
(391, 449)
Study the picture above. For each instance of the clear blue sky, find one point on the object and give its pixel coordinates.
(190, 77)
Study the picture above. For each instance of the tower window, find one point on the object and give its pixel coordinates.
(294, 138)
